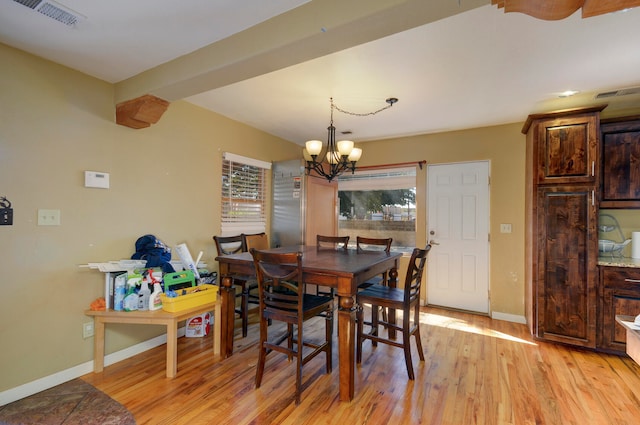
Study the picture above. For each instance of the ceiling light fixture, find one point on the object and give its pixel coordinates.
(340, 156)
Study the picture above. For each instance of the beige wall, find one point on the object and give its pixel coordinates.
(504, 147)
(56, 123)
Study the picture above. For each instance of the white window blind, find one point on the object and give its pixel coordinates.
(243, 195)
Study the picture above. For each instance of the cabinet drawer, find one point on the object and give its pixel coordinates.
(621, 278)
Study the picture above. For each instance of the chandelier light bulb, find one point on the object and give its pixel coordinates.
(345, 147)
(355, 154)
(306, 155)
(314, 147)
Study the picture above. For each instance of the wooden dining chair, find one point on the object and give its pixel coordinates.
(374, 244)
(406, 299)
(282, 298)
(257, 240)
(332, 242)
(336, 243)
(248, 285)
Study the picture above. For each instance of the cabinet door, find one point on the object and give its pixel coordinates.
(620, 296)
(621, 164)
(566, 265)
(567, 150)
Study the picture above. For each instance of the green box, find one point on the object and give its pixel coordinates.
(179, 280)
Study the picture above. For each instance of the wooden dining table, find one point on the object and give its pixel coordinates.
(338, 269)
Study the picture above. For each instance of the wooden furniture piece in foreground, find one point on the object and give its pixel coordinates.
(342, 270)
(407, 300)
(232, 245)
(282, 298)
(633, 337)
(140, 112)
(156, 317)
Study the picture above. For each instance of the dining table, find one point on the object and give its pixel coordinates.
(343, 270)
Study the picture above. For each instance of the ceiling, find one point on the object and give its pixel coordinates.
(474, 67)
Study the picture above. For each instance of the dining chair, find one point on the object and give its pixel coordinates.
(406, 299)
(336, 243)
(282, 298)
(332, 242)
(374, 244)
(257, 240)
(227, 245)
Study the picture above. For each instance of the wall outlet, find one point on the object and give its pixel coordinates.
(505, 228)
(87, 330)
(48, 217)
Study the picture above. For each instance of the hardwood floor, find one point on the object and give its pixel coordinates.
(477, 371)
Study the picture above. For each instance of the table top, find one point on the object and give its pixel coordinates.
(319, 260)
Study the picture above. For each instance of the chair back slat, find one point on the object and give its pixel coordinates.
(373, 244)
(332, 242)
(229, 244)
(279, 284)
(413, 280)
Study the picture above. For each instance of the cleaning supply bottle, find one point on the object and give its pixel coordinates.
(144, 294)
(119, 292)
(155, 302)
(130, 302)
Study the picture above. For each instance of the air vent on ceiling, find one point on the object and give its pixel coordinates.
(621, 92)
(53, 10)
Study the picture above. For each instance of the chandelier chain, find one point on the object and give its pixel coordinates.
(390, 102)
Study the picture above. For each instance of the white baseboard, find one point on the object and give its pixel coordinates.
(63, 376)
(508, 317)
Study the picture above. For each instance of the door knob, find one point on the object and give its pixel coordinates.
(432, 242)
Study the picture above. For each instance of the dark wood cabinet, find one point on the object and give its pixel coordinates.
(562, 183)
(566, 275)
(620, 295)
(620, 163)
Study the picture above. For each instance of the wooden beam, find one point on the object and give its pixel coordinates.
(140, 112)
(553, 10)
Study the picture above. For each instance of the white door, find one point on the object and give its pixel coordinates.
(458, 228)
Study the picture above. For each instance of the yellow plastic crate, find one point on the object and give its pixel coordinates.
(193, 297)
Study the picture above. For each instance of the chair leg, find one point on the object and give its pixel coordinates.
(359, 330)
(329, 337)
(245, 310)
(374, 323)
(299, 366)
(262, 354)
(416, 333)
(406, 341)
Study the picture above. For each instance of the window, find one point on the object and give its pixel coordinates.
(243, 195)
(379, 203)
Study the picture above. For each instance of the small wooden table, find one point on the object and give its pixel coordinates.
(156, 317)
(633, 336)
(342, 270)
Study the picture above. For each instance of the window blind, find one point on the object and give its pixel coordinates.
(243, 198)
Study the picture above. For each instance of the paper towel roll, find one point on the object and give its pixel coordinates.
(635, 244)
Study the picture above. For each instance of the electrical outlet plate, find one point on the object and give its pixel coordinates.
(48, 217)
(87, 330)
(505, 228)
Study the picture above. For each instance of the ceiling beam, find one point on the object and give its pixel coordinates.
(315, 29)
(553, 10)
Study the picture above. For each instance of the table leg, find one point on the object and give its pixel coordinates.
(227, 312)
(346, 346)
(172, 349)
(98, 345)
(217, 328)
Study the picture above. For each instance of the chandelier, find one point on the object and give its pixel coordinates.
(340, 156)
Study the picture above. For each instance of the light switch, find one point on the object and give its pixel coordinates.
(48, 217)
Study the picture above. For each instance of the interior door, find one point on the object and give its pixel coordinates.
(458, 229)
(321, 208)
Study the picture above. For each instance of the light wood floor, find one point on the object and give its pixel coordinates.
(477, 371)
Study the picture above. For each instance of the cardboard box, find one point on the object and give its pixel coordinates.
(198, 326)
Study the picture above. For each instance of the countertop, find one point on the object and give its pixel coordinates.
(615, 261)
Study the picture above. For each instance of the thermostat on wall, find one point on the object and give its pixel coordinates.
(96, 179)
